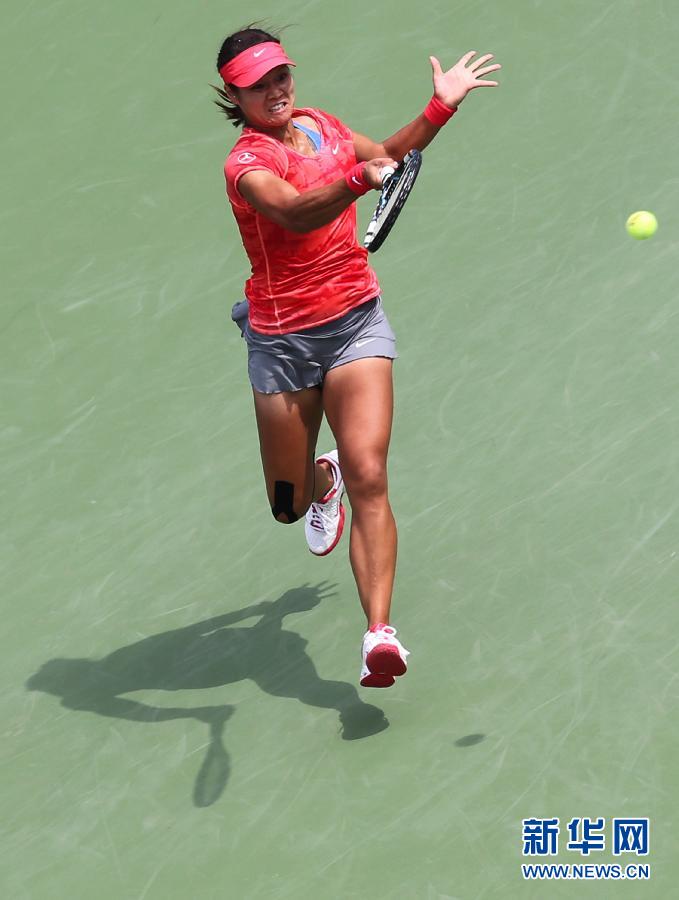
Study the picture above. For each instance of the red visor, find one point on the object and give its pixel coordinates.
(250, 65)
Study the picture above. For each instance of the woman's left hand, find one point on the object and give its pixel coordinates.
(452, 87)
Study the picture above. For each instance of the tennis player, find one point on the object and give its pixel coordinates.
(318, 339)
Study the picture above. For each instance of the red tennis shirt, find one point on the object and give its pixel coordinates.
(299, 281)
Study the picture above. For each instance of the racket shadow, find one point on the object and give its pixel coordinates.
(207, 654)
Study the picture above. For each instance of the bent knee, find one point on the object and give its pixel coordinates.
(368, 481)
(286, 508)
(285, 518)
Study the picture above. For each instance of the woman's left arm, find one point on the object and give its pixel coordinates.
(450, 89)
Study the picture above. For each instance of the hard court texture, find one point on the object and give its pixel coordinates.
(181, 715)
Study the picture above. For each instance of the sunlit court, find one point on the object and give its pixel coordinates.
(195, 705)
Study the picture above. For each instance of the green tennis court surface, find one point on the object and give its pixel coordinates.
(180, 714)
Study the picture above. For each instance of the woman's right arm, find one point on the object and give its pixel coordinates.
(283, 204)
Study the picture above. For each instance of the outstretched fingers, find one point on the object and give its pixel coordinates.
(467, 57)
(479, 70)
(453, 85)
(436, 66)
(483, 83)
(482, 60)
(487, 71)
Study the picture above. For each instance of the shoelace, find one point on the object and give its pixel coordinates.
(316, 520)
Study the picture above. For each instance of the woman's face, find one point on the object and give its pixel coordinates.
(269, 102)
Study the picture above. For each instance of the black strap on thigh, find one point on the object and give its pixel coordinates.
(283, 498)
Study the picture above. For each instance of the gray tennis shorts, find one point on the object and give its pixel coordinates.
(300, 359)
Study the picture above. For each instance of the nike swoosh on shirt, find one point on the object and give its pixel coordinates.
(366, 341)
(258, 52)
(335, 149)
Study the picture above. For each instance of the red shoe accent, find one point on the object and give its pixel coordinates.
(385, 660)
(332, 491)
(378, 627)
(374, 680)
(340, 529)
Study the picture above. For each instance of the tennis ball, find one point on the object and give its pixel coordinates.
(642, 225)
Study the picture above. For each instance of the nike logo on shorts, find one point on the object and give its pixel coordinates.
(361, 343)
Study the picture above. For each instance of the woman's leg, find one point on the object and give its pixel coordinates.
(288, 425)
(358, 403)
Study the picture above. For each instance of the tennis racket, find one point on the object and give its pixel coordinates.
(396, 187)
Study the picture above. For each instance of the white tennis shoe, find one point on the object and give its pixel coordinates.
(383, 657)
(325, 518)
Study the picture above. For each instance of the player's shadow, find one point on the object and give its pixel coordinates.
(210, 654)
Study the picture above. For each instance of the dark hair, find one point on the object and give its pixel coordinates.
(233, 45)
